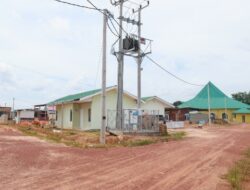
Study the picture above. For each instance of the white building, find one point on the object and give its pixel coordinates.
(83, 110)
(156, 103)
(24, 115)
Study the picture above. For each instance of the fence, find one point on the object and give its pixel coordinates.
(149, 120)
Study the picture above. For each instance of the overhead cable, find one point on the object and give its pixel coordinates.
(170, 73)
(76, 5)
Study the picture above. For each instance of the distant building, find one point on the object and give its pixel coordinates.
(222, 107)
(43, 112)
(5, 114)
(156, 103)
(176, 114)
(242, 115)
(24, 115)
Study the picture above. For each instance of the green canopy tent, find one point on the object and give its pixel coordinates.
(211, 97)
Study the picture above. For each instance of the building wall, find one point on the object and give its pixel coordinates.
(5, 111)
(218, 114)
(128, 103)
(63, 116)
(28, 114)
(83, 122)
(176, 114)
(238, 118)
(154, 105)
(22, 115)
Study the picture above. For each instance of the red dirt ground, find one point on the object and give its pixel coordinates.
(196, 163)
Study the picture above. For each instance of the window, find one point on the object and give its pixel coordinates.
(71, 114)
(212, 116)
(243, 119)
(89, 115)
(224, 116)
(56, 115)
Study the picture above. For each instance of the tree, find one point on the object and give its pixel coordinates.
(242, 97)
(177, 103)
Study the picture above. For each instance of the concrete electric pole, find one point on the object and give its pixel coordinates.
(119, 108)
(209, 104)
(139, 62)
(13, 109)
(104, 63)
(121, 53)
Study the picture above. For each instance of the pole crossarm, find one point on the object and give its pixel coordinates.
(131, 21)
(141, 7)
(116, 3)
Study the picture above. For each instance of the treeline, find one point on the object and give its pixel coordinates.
(242, 97)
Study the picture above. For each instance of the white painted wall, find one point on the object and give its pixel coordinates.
(155, 104)
(27, 114)
(128, 103)
(63, 116)
(86, 124)
(24, 114)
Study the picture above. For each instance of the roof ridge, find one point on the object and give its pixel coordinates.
(79, 95)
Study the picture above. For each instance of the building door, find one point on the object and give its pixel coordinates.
(81, 118)
(243, 119)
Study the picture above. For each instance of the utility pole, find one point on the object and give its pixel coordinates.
(13, 108)
(119, 108)
(225, 99)
(121, 53)
(139, 62)
(119, 122)
(104, 63)
(209, 102)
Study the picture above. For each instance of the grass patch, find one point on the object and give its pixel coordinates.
(74, 144)
(28, 131)
(142, 142)
(54, 137)
(173, 136)
(240, 173)
(90, 139)
(177, 135)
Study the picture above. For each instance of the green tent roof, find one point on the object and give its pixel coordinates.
(242, 111)
(218, 100)
(74, 97)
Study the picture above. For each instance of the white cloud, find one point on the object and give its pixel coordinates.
(197, 40)
(6, 76)
(59, 24)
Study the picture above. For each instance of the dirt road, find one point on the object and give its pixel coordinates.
(196, 163)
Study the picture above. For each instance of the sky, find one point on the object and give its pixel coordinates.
(49, 50)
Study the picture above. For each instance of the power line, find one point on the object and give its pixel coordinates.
(116, 32)
(170, 73)
(76, 5)
(95, 7)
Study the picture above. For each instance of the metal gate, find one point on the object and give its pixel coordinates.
(149, 120)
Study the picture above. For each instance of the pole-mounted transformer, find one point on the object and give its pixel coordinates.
(130, 44)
